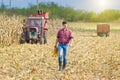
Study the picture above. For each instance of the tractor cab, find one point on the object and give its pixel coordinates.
(34, 28)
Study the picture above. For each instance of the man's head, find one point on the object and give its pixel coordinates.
(64, 23)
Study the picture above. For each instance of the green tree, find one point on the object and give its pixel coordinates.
(66, 13)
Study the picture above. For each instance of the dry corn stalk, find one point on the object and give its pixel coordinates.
(10, 29)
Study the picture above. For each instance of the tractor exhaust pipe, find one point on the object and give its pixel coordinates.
(37, 4)
(38, 10)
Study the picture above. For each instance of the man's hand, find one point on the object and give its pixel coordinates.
(70, 45)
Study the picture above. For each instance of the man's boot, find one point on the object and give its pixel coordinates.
(60, 66)
(64, 65)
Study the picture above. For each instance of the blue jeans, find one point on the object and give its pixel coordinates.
(62, 52)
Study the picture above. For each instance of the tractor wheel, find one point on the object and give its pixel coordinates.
(21, 41)
(45, 37)
(41, 40)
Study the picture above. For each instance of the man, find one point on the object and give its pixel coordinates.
(64, 40)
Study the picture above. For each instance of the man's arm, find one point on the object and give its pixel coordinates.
(56, 43)
(71, 42)
(71, 38)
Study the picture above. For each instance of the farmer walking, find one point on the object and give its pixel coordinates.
(63, 41)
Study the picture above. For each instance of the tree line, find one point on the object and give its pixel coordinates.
(66, 13)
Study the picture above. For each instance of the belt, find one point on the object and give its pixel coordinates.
(63, 42)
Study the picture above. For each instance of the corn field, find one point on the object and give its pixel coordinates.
(10, 29)
(90, 58)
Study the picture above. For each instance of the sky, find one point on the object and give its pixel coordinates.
(88, 5)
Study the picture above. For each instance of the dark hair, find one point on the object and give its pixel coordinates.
(64, 22)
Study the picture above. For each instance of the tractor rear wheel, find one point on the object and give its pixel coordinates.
(41, 41)
(45, 37)
(22, 39)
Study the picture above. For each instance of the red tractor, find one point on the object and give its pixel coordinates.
(34, 28)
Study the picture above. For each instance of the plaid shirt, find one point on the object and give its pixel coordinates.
(64, 35)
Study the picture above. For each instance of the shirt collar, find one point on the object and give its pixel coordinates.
(65, 29)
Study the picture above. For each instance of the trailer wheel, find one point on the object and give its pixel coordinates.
(98, 34)
(107, 34)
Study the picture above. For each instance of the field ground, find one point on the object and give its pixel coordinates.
(90, 58)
